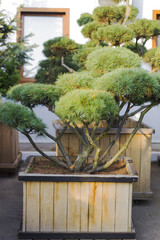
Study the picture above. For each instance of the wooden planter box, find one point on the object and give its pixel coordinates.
(78, 206)
(139, 150)
(9, 149)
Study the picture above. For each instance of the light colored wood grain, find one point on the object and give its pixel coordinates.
(24, 206)
(130, 207)
(104, 142)
(108, 207)
(74, 205)
(65, 144)
(46, 206)
(95, 207)
(60, 206)
(32, 221)
(122, 140)
(145, 168)
(115, 148)
(84, 206)
(135, 154)
(73, 145)
(122, 206)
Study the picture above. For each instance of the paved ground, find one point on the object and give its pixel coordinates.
(146, 214)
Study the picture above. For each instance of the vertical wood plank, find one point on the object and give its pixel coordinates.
(104, 142)
(145, 169)
(130, 208)
(73, 145)
(46, 206)
(33, 192)
(122, 206)
(73, 218)
(60, 206)
(65, 143)
(95, 207)
(24, 206)
(115, 148)
(122, 140)
(136, 156)
(128, 149)
(84, 206)
(108, 207)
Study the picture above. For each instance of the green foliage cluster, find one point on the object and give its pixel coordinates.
(68, 82)
(21, 118)
(107, 59)
(59, 47)
(144, 30)
(54, 50)
(113, 14)
(81, 57)
(7, 26)
(114, 34)
(152, 56)
(84, 19)
(12, 55)
(31, 95)
(82, 105)
(90, 28)
(134, 84)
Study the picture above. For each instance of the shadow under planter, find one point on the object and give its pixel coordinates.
(10, 155)
(139, 150)
(78, 206)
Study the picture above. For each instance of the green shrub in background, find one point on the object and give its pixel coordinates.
(54, 50)
(12, 55)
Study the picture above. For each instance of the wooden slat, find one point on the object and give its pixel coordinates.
(104, 142)
(74, 205)
(122, 140)
(122, 207)
(95, 206)
(115, 148)
(65, 143)
(60, 206)
(145, 168)
(33, 191)
(84, 206)
(130, 208)
(24, 206)
(46, 206)
(135, 154)
(73, 145)
(108, 207)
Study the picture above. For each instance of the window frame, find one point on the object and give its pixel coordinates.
(154, 39)
(62, 12)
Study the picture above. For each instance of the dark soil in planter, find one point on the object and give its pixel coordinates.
(44, 166)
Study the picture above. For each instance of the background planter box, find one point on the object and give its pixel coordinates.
(139, 150)
(78, 206)
(9, 149)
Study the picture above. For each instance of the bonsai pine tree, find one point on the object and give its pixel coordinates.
(144, 30)
(112, 87)
(82, 100)
(59, 53)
